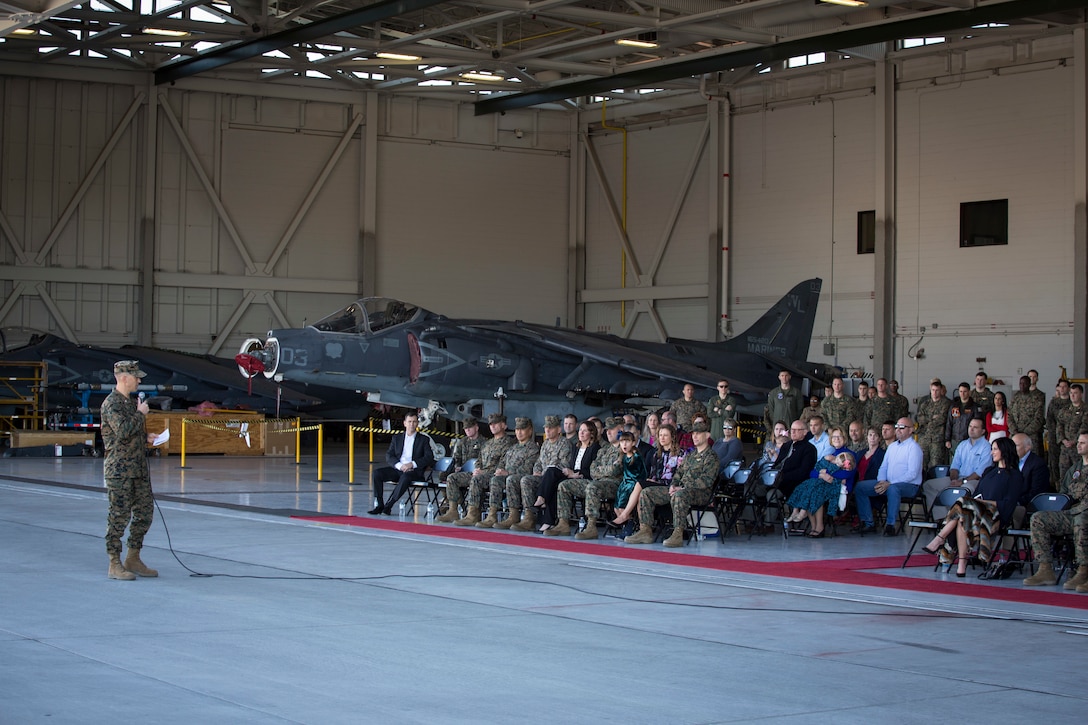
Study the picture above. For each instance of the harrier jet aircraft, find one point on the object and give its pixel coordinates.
(404, 355)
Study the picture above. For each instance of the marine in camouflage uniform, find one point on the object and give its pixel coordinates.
(1027, 413)
(516, 462)
(605, 474)
(684, 409)
(694, 478)
(932, 416)
(1058, 403)
(1046, 525)
(839, 409)
(983, 397)
(1070, 424)
(882, 410)
(556, 451)
(783, 403)
(466, 448)
(491, 454)
(125, 467)
(721, 409)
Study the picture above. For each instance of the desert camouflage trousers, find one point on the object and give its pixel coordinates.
(1048, 525)
(934, 453)
(130, 501)
(594, 492)
(681, 501)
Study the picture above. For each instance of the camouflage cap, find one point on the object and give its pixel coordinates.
(128, 367)
(613, 422)
(469, 422)
(700, 426)
(496, 418)
(551, 421)
(523, 423)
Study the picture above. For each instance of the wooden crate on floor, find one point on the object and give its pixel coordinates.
(205, 435)
(30, 438)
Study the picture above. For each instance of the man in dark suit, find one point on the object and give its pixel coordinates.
(408, 457)
(1035, 471)
(796, 459)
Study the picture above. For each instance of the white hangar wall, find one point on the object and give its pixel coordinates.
(802, 171)
(262, 206)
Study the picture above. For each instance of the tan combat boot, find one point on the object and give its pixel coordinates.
(527, 523)
(676, 540)
(450, 516)
(560, 529)
(644, 535)
(1044, 576)
(491, 520)
(471, 518)
(589, 532)
(1078, 580)
(117, 571)
(510, 521)
(1082, 589)
(134, 565)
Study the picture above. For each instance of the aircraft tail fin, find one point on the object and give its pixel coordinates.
(785, 330)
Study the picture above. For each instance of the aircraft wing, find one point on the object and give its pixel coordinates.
(597, 351)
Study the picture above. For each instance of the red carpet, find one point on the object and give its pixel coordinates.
(841, 571)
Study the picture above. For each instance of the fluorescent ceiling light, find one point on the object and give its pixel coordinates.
(24, 31)
(636, 43)
(847, 3)
(397, 56)
(482, 76)
(167, 32)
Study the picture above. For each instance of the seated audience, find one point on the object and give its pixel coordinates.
(667, 457)
(821, 491)
(729, 447)
(900, 475)
(577, 468)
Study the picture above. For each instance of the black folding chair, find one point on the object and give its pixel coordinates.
(731, 500)
(945, 498)
(1063, 546)
(761, 495)
(431, 485)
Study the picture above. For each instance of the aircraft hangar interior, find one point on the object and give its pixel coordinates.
(187, 180)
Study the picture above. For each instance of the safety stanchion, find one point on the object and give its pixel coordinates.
(320, 452)
(298, 441)
(351, 454)
(183, 443)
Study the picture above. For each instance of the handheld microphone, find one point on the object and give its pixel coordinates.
(141, 395)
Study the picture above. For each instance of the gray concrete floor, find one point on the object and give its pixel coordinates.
(317, 623)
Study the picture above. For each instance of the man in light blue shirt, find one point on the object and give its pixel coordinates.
(900, 475)
(972, 457)
(819, 437)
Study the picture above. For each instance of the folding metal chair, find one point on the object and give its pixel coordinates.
(731, 500)
(1062, 547)
(945, 498)
(431, 485)
(761, 495)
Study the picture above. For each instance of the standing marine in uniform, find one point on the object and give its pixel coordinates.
(1070, 424)
(1027, 413)
(982, 395)
(516, 462)
(691, 486)
(721, 407)
(902, 402)
(783, 403)
(687, 407)
(932, 416)
(127, 480)
(882, 406)
(960, 414)
(1058, 403)
(839, 409)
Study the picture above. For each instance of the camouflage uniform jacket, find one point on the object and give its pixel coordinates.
(840, 412)
(1057, 405)
(608, 464)
(984, 399)
(697, 471)
(493, 451)
(1075, 486)
(932, 416)
(719, 410)
(520, 458)
(462, 449)
(556, 453)
(685, 409)
(1026, 413)
(902, 405)
(1071, 422)
(124, 436)
(882, 410)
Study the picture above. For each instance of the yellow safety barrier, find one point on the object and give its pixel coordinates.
(224, 425)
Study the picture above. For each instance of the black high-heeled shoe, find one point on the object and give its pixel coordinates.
(376, 510)
(934, 552)
(961, 574)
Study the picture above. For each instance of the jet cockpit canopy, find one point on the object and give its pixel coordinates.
(368, 315)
